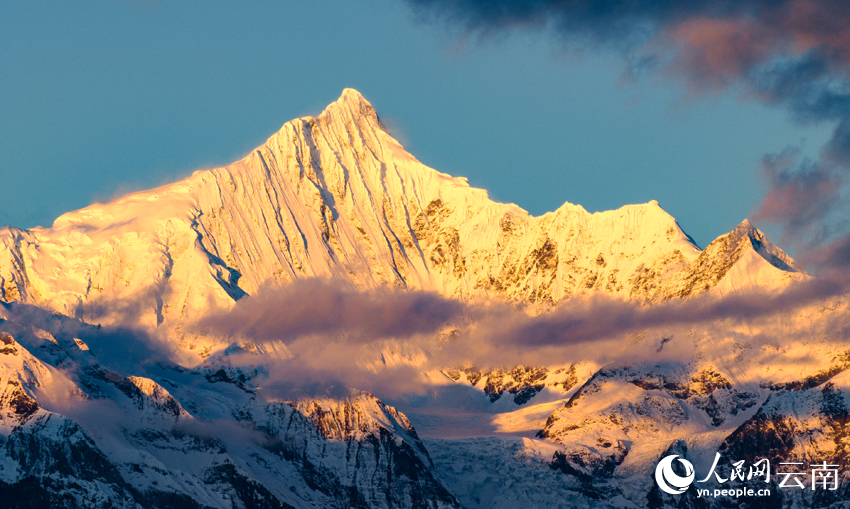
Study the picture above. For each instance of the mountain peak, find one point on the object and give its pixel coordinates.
(745, 231)
(351, 95)
(749, 246)
(746, 227)
(745, 235)
(351, 106)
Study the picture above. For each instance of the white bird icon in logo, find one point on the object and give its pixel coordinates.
(668, 481)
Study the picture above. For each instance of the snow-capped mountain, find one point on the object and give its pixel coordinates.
(110, 396)
(336, 195)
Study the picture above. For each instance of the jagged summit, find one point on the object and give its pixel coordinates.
(746, 232)
(745, 224)
(351, 106)
(352, 95)
(53, 455)
(354, 99)
(739, 259)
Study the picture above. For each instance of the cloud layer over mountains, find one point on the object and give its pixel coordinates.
(341, 336)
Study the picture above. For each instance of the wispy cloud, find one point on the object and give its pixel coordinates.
(330, 308)
(802, 193)
(384, 340)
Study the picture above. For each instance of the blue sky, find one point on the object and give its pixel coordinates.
(101, 98)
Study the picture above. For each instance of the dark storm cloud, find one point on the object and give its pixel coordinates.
(793, 54)
(801, 195)
(713, 38)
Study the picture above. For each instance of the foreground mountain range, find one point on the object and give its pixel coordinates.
(118, 387)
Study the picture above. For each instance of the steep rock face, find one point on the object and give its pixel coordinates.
(335, 195)
(364, 452)
(46, 459)
(627, 403)
(807, 425)
(49, 461)
(81, 435)
(613, 428)
(21, 377)
(521, 383)
(619, 423)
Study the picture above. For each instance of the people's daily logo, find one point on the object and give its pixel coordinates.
(668, 480)
(818, 476)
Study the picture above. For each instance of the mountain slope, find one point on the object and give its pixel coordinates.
(79, 435)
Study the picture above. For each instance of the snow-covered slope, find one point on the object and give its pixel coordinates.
(770, 391)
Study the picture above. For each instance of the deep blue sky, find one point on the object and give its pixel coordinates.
(101, 98)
